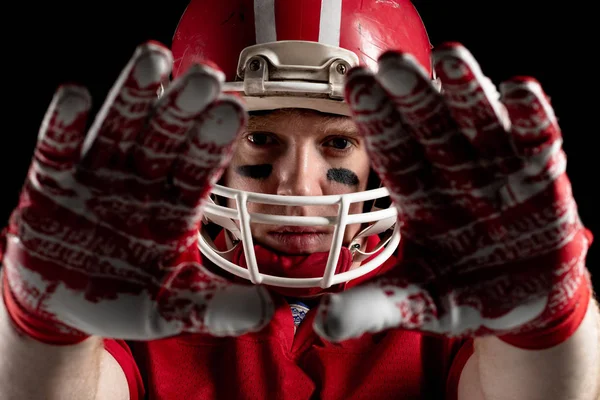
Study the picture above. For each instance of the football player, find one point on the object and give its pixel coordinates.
(299, 200)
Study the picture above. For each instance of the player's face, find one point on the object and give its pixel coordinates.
(299, 153)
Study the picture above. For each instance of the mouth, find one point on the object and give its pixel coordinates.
(298, 230)
(297, 240)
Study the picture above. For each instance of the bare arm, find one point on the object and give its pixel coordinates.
(569, 371)
(33, 370)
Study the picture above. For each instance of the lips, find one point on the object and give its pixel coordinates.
(298, 230)
(299, 240)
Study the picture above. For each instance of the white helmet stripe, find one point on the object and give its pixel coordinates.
(330, 22)
(264, 21)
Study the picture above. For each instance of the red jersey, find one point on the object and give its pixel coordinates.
(278, 364)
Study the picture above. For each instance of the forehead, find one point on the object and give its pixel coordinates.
(292, 120)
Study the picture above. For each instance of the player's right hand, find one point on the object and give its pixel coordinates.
(103, 240)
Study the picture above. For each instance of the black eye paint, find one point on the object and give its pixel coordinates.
(260, 171)
(343, 176)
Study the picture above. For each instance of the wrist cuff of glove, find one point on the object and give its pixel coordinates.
(43, 330)
(562, 328)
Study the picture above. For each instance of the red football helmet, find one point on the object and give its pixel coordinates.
(295, 54)
(270, 50)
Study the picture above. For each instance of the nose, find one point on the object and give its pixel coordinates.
(300, 172)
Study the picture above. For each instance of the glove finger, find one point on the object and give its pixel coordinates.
(198, 167)
(535, 131)
(537, 138)
(207, 303)
(428, 119)
(423, 109)
(125, 111)
(239, 309)
(174, 115)
(57, 150)
(395, 155)
(475, 106)
(62, 131)
(208, 149)
(350, 314)
(59, 144)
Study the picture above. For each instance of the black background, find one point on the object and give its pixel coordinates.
(89, 42)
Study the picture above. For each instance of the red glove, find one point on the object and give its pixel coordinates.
(492, 242)
(106, 243)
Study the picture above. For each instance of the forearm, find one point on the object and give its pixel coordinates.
(33, 370)
(569, 371)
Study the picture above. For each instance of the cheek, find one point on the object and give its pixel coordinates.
(351, 175)
(247, 177)
(234, 181)
(248, 171)
(257, 171)
(343, 176)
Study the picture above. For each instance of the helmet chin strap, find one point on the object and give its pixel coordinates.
(294, 266)
(382, 226)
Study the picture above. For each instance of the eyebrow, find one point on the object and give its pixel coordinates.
(343, 127)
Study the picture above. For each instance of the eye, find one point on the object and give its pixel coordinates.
(339, 144)
(260, 139)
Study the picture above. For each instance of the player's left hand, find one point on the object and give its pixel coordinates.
(492, 242)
